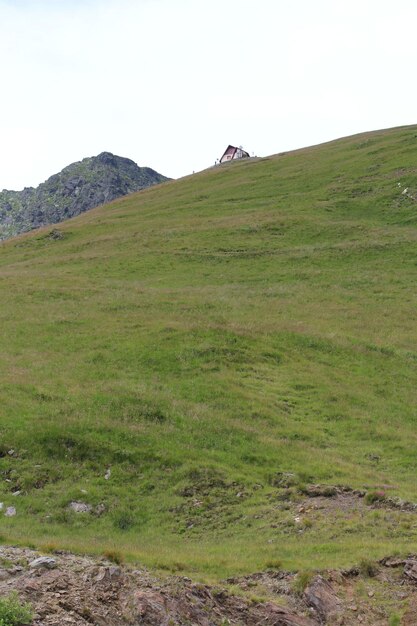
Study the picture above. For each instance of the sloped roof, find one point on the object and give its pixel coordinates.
(232, 151)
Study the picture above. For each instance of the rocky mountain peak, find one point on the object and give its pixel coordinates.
(108, 158)
(77, 188)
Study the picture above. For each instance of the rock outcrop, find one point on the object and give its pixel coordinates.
(79, 591)
(321, 597)
(77, 188)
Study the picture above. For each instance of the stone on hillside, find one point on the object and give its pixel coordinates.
(316, 491)
(10, 511)
(280, 616)
(43, 562)
(319, 595)
(108, 573)
(284, 480)
(392, 561)
(410, 569)
(100, 509)
(80, 507)
(56, 234)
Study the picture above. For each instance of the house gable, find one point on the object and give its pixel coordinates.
(232, 153)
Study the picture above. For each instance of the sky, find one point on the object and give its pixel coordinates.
(170, 83)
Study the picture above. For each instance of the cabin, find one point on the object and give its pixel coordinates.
(231, 153)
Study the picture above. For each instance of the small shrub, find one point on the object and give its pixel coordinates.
(284, 480)
(162, 566)
(50, 548)
(114, 556)
(178, 567)
(233, 591)
(286, 495)
(258, 599)
(55, 234)
(146, 487)
(4, 449)
(368, 568)
(314, 491)
(13, 612)
(152, 414)
(124, 521)
(361, 589)
(64, 516)
(374, 496)
(86, 613)
(301, 581)
(273, 564)
(394, 620)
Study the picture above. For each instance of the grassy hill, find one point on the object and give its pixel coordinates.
(219, 343)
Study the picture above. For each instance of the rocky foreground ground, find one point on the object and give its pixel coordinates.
(67, 589)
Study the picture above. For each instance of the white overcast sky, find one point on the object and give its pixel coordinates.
(169, 83)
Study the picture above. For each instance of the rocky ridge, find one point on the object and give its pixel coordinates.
(77, 188)
(63, 588)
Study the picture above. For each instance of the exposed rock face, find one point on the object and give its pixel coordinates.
(81, 591)
(197, 605)
(321, 597)
(410, 569)
(77, 188)
(46, 562)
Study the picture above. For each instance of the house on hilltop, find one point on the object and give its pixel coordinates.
(231, 153)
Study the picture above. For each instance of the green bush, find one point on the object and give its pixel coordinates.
(13, 612)
(368, 568)
(273, 564)
(124, 521)
(375, 496)
(114, 556)
(301, 581)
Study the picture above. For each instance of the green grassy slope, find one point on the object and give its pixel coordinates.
(202, 336)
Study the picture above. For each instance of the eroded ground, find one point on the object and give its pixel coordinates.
(75, 590)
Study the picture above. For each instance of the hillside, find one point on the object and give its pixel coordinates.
(77, 188)
(217, 375)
